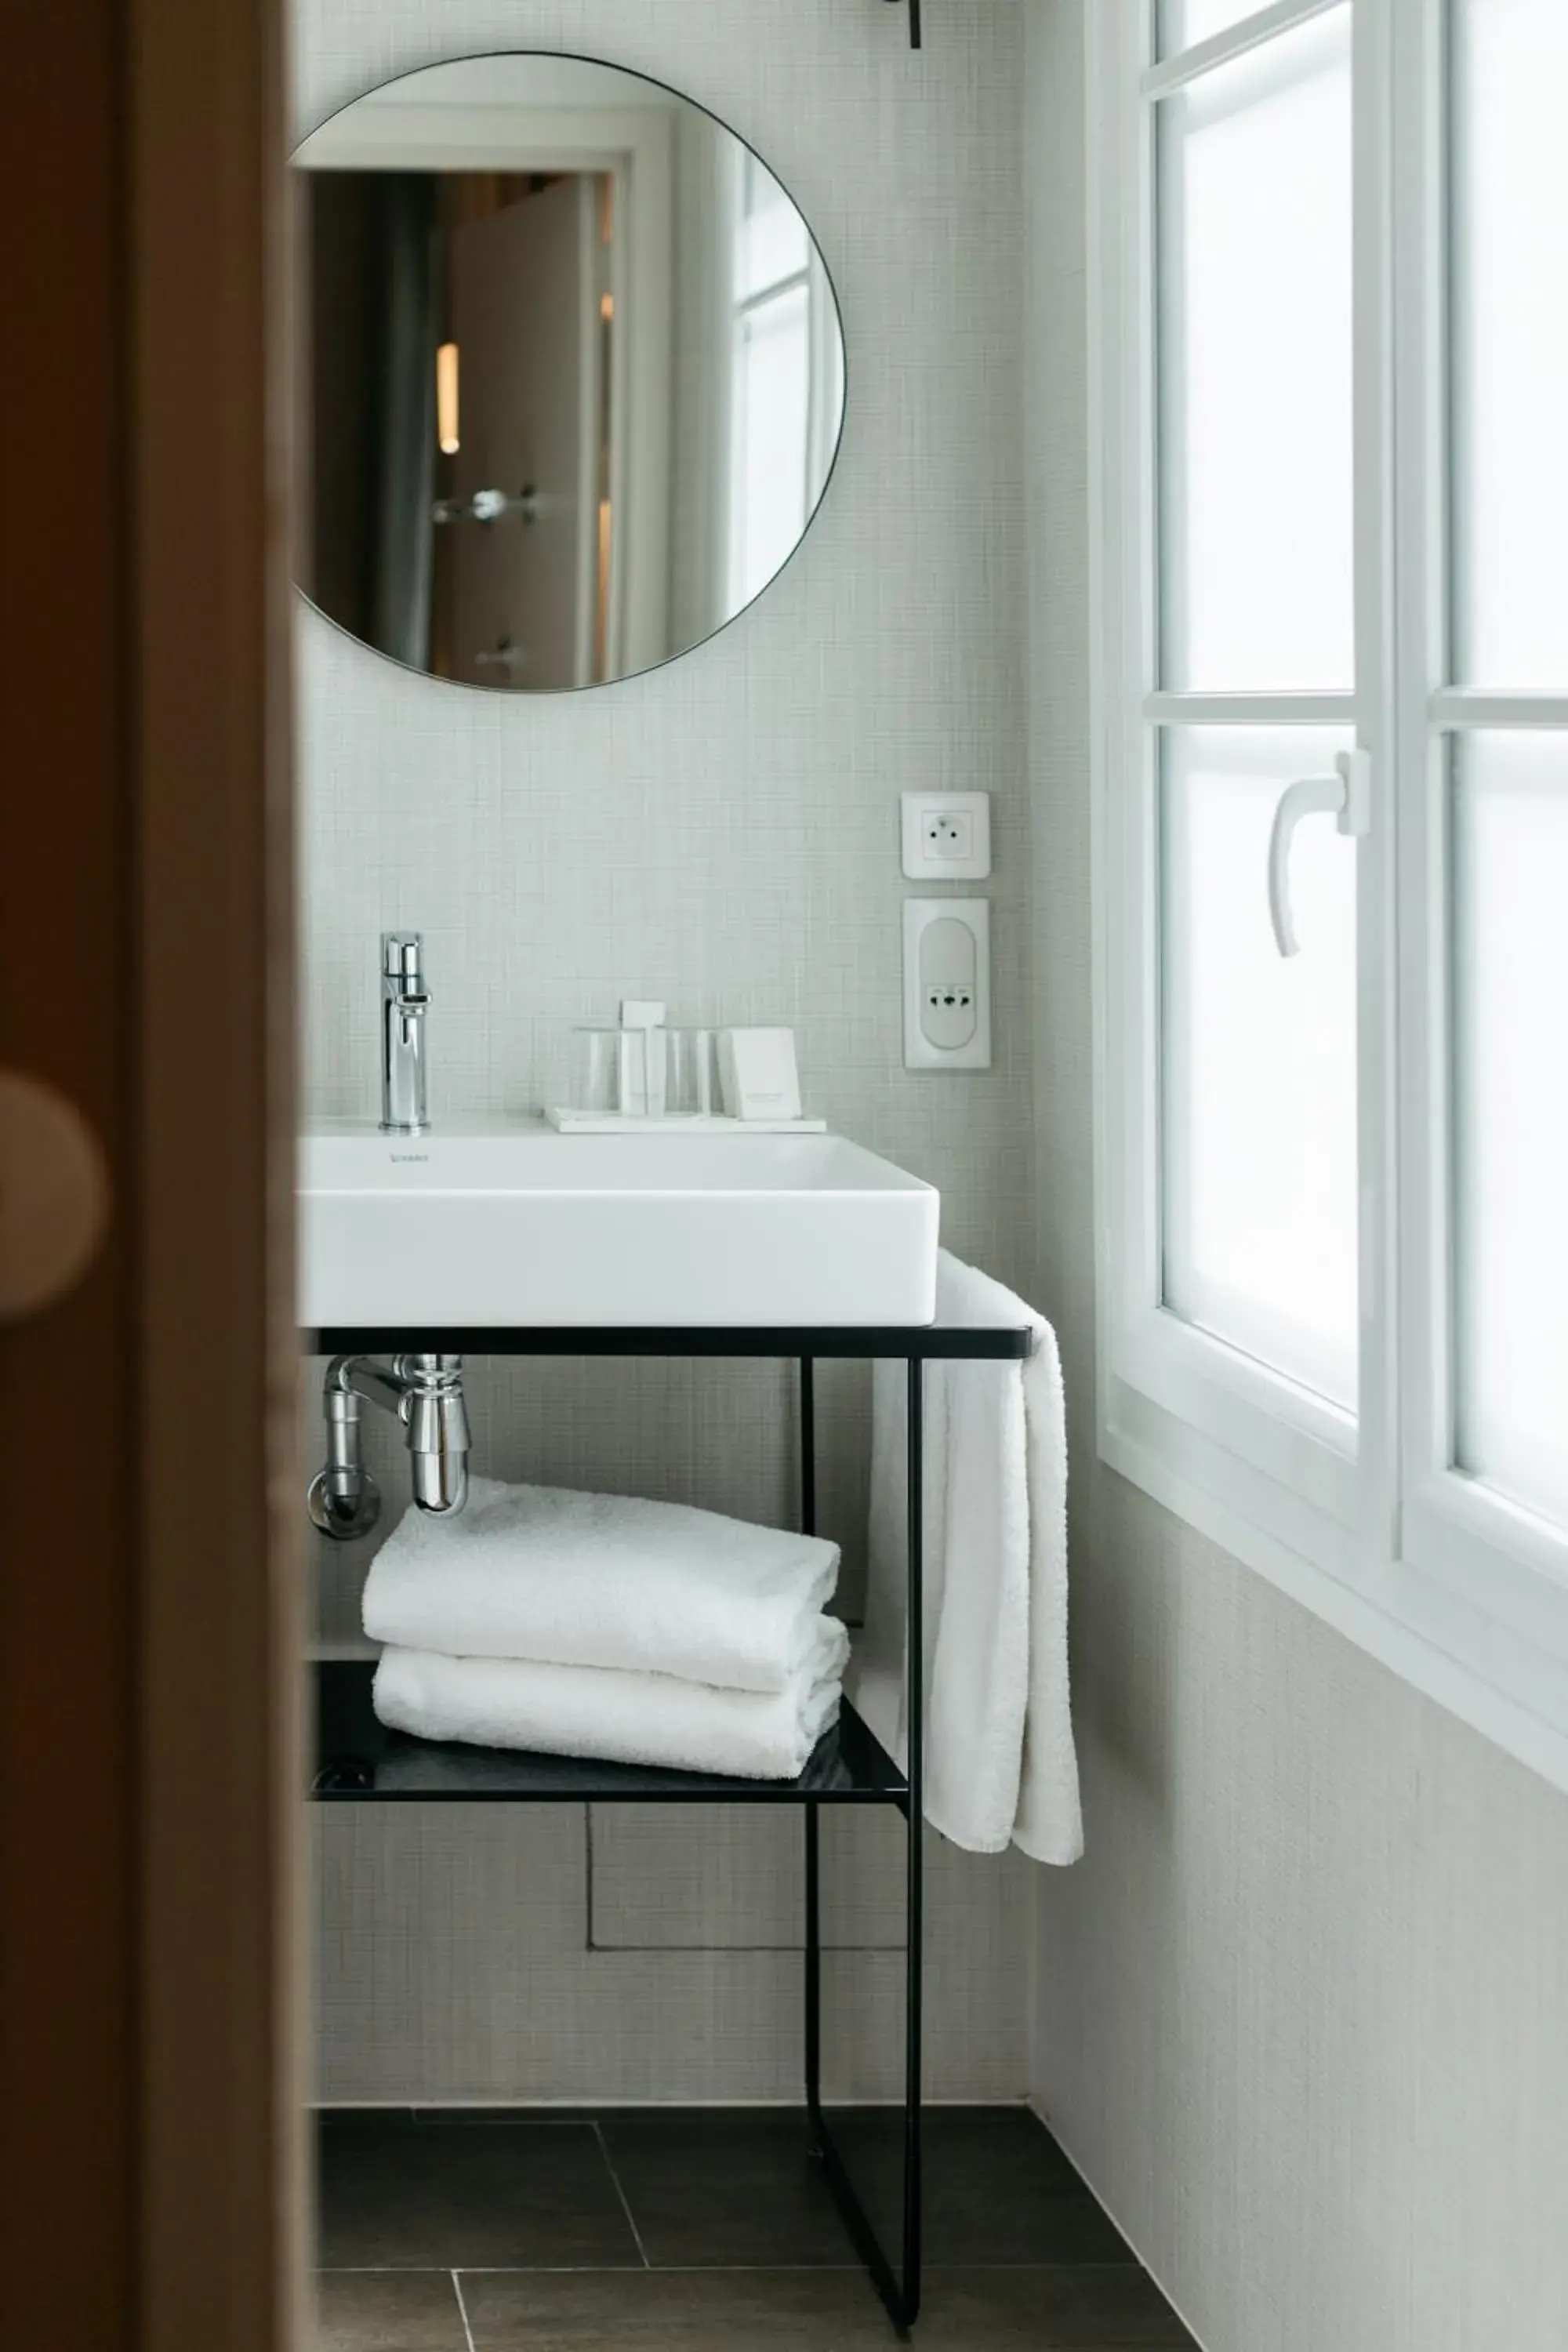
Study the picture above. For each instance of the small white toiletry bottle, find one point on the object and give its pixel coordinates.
(642, 1058)
(758, 1075)
(689, 1083)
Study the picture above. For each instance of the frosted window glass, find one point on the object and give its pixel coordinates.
(1259, 1059)
(1184, 22)
(771, 393)
(1510, 324)
(774, 242)
(1256, 368)
(1510, 1001)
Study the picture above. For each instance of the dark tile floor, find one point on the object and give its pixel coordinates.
(692, 2230)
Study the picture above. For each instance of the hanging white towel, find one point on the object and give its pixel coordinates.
(1000, 1765)
(626, 1718)
(571, 1580)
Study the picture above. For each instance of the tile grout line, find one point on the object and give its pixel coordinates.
(463, 2312)
(494, 2119)
(699, 2270)
(541, 2270)
(620, 2192)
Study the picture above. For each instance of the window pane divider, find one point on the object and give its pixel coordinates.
(1465, 705)
(1250, 33)
(1178, 708)
(761, 294)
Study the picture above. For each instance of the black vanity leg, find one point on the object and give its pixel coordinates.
(914, 1818)
(813, 1980)
(900, 2290)
(808, 1446)
(813, 1879)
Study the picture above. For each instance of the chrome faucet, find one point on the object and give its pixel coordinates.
(403, 1008)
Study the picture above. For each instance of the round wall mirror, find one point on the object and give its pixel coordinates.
(576, 370)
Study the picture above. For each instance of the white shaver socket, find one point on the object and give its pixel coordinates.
(947, 983)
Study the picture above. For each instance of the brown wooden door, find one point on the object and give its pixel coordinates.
(67, 1601)
(148, 2128)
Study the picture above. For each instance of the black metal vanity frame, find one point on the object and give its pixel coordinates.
(849, 1767)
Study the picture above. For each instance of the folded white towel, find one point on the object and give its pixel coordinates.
(999, 1758)
(625, 1718)
(570, 1579)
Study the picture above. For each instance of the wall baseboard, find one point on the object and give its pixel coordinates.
(524, 2108)
(1037, 2110)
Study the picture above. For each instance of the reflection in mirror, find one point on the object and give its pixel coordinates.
(578, 371)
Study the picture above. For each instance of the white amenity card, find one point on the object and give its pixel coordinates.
(757, 1073)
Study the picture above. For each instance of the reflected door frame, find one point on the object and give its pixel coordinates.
(633, 147)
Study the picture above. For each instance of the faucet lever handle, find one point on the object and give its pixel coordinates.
(403, 959)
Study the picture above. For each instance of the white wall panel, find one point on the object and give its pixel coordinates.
(1301, 2012)
(723, 834)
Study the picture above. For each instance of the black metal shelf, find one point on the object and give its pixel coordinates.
(358, 1759)
(902, 1342)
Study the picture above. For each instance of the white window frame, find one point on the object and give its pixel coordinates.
(1364, 1519)
(824, 390)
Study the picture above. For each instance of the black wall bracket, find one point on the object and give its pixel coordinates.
(914, 6)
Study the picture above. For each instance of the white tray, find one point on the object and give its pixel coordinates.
(612, 1122)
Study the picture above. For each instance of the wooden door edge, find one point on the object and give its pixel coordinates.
(221, 2219)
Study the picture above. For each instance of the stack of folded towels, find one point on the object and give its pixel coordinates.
(600, 1626)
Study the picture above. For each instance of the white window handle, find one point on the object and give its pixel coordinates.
(1347, 794)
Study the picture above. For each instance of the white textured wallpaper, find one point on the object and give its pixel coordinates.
(721, 834)
(1302, 2009)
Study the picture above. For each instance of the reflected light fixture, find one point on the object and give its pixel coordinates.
(446, 399)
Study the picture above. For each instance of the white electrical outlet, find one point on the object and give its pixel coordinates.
(947, 983)
(946, 835)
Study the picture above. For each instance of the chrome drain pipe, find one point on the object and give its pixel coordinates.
(426, 1393)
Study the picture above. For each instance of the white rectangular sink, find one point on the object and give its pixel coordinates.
(509, 1222)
